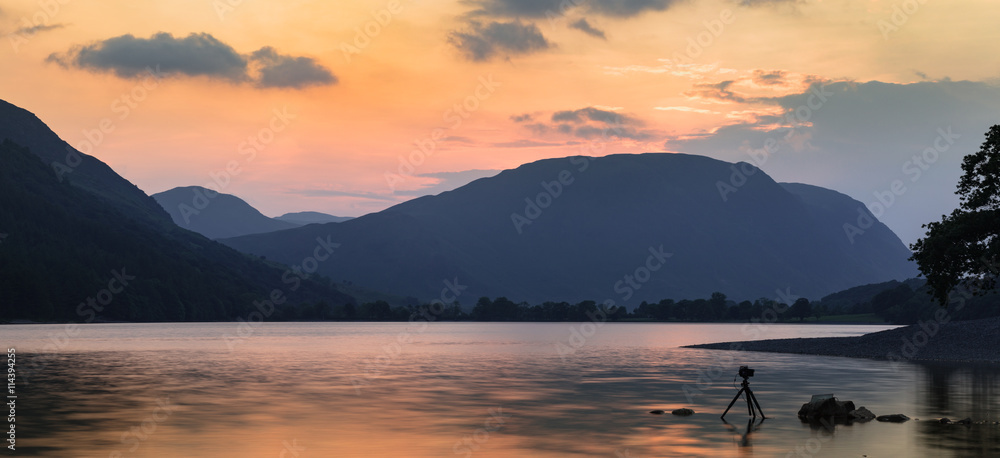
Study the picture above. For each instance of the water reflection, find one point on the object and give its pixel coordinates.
(476, 390)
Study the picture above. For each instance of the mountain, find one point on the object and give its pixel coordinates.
(623, 227)
(69, 164)
(79, 252)
(215, 215)
(303, 218)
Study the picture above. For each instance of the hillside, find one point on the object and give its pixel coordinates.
(215, 215)
(622, 227)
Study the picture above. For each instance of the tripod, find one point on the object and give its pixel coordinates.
(750, 397)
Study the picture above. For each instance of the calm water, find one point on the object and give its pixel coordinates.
(467, 389)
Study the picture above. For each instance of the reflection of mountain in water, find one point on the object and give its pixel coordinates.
(959, 391)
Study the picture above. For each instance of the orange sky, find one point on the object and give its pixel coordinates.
(346, 136)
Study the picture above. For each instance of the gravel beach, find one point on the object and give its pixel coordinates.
(959, 341)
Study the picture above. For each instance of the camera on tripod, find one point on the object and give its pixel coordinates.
(746, 372)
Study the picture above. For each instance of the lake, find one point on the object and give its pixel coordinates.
(469, 390)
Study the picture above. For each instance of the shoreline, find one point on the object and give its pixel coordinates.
(973, 341)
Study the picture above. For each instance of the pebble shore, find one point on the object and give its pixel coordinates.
(974, 341)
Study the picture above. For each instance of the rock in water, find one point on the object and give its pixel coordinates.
(894, 418)
(964, 421)
(683, 412)
(862, 414)
(828, 407)
(656, 412)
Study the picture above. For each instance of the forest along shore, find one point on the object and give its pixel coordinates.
(959, 341)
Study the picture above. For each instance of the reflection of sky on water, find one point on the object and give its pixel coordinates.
(446, 393)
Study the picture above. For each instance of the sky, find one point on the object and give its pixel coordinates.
(351, 107)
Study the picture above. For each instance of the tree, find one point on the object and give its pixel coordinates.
(801, 308)
(962, 248)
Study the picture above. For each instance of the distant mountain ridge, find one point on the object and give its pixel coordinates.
(93, 236)
(585, 228)
(303, 218)
(215, 215)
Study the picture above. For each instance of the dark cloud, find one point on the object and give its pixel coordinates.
(585, 27)
(593, 114)
(858, 138)
(278, 70)
(38, 28)
(127, 56)
(769, 77)
(522, 118)
(716, 91)
(484, 42)
(592, 123)
(556, 8)
(198, 54)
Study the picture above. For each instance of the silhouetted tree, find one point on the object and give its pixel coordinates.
(962, 248)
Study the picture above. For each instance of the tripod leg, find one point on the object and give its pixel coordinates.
(750, 395)
(749, 405)
(738, 393)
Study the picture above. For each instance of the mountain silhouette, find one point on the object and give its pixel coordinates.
(303, 218)
(623, 227)
(215, 215)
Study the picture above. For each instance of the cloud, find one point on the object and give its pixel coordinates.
(548, 8)
(197, 55)
(593, 114)
(858, 138)
(26, 30)
(483, 42)
(278, 70)
(585, 27)
(524, 144)
(769, 78)
(715, 91)
(447, 181)
(591, 122)
(522, 118)
(686, 110)
(336, 193)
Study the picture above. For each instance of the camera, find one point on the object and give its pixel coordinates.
(746, 372)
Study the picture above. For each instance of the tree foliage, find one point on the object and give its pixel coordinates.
(962, 249)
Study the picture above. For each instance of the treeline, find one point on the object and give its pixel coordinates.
(894, 302)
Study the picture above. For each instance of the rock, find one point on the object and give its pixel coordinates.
(944, 421)
(894, 418)
(826, 407)
(656, 412)
(964, 421)
(862, 414)
(683, 412)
